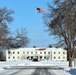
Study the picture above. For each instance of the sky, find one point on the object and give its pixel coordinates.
(26, 16)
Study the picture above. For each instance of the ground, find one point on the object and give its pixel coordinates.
(36, 68)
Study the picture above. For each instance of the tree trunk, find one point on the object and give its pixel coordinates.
(70, 62)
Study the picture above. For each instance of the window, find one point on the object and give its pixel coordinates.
(48, 52)
(54, 52)
(40, 52)
(13, 52)
(44, 52)
(63, 57)
(58, 57)
(45, 57)
(17, 52)
(54, 57)
(18, 57)
(9, 52)
(27, 52)
(8, 57)
(31, 52)
(63, 52)
(58, 52)
(23, 52)
(13, 57)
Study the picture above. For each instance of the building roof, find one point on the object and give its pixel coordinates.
(38, 49)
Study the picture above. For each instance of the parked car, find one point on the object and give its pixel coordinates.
(35, 59)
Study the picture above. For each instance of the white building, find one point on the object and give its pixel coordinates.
(57, 54)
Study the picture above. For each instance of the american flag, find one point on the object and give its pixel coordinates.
(40, 10)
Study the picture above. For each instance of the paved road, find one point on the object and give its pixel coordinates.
(28, 71)
(41, 71)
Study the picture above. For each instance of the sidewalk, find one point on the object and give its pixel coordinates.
(58, 72)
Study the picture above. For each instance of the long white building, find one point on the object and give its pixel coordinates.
(56, 54)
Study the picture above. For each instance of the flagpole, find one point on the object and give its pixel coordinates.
(38, 10)
(35, 35)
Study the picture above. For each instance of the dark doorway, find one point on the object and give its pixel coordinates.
(40, 57)
(31, 57)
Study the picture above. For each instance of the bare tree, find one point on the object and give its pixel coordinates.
(7, 39)
(20, 39)
(5, 19)
(61, 22)
(50, 46)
